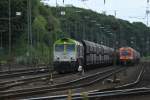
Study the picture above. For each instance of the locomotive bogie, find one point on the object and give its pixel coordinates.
(63, 67)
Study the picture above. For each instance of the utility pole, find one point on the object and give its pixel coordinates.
(29, 22)
(1, 38)
(115, 13)
(9, 6)
(56, 4)
(64, 2)
(104, 2)
(147, 13)
(1, 41)
(148, 43)
(115, 51)
(85, 26)
(9, 25)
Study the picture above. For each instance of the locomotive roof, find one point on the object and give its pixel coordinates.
(126, 48)
(122, 48)
(67, 41)
(129, 48)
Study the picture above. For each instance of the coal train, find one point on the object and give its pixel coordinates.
(69, 53)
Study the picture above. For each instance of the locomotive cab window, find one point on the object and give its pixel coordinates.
(125, 53)
(70, 48)
(59, 48)
(65, 48)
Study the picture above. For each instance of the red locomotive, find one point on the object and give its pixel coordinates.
(128, 55)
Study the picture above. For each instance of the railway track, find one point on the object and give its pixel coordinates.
(128, 85)
(23, 73)
(82, 82)
(97, 95)
(15, 83)
(40, 79)
(19, 82)
(22, 70)
(126, 89)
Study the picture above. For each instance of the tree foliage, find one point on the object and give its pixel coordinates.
(44, 26)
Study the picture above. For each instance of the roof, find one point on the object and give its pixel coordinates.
(122, 48)
(67, 41)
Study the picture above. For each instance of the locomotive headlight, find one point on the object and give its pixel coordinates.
(57, 58)
(72, 58)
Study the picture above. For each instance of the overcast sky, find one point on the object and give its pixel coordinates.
(131, 10)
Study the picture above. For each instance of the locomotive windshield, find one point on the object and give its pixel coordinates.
(125, 53)
(70, 47)
(59, 48)
(65, 48)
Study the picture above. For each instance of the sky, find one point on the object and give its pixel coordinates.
(131, 10)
